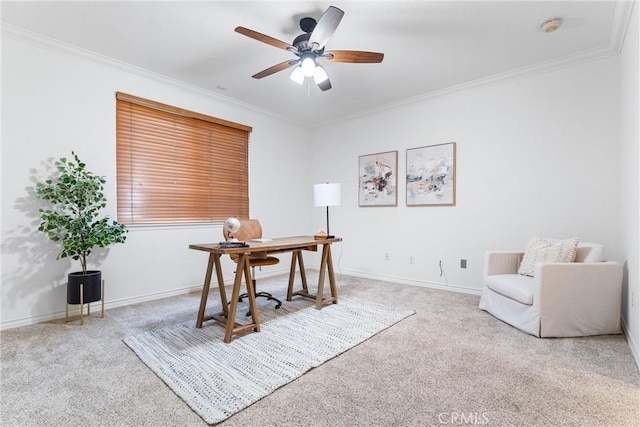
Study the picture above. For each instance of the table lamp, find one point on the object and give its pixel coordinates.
(327, 194)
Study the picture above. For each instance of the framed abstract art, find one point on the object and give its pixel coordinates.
(431, 175)
(378, 179)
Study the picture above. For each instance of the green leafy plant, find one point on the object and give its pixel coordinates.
(77, 197)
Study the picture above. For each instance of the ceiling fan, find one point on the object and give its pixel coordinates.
(309, 48)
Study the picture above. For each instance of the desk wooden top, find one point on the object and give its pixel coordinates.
(281, 244)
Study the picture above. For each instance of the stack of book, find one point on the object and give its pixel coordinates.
(230, 244)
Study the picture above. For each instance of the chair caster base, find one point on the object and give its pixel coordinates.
(266, 295)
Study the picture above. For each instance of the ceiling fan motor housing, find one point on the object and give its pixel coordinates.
(308, 25)
(302, 42)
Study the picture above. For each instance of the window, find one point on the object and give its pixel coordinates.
(178, 166)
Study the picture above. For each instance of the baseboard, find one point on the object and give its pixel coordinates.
(392, 279)
(413, 282)
(75, 309)
(635, 349)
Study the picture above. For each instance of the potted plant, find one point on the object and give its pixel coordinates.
(76, 196)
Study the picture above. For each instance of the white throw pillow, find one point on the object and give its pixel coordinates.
(541, 250)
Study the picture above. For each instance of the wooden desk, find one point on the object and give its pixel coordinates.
(295, 245)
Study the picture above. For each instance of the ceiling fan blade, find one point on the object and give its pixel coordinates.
(325, 27)
(356, 56)
(278, 67)
(265, 39)
(324, 85)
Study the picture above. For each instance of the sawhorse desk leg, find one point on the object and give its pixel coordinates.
(296, 256)
(326, 265)
(231, 328)
(214, 262)
(228, 314)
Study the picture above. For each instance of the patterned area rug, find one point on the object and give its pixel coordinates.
(217, 380)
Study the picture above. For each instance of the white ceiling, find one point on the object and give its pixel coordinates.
(429, 46)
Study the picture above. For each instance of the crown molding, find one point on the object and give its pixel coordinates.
(620, 20)
(59, 47)
(548, 66)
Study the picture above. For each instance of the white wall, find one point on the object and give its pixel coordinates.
(630, 180)
(55, 101)
(537, 154)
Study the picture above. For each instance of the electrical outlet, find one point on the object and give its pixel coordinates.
(387, 257)
(463, 263)
(411, 260)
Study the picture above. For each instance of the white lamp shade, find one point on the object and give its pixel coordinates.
(308, 66)
(297, 75)
(327, 194)
(319, 75)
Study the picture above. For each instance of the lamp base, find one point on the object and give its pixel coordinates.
(321, 235)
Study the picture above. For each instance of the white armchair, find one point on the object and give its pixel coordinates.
(562, 299)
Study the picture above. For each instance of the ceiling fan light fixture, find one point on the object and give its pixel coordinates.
(319, 75)
(308, 66)
(297, 75)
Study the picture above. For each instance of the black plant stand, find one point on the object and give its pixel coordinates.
(82, 303)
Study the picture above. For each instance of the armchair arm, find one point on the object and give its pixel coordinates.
(502, 263)
(578, 298)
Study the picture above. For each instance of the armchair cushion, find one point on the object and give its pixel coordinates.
(541, 250)
(514, 286)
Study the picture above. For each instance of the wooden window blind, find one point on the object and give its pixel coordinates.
(178, 166)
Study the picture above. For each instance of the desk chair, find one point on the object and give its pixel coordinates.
(251, 229)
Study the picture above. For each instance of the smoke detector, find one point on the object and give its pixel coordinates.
(551, 25)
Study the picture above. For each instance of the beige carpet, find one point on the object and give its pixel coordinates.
(449, 364)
